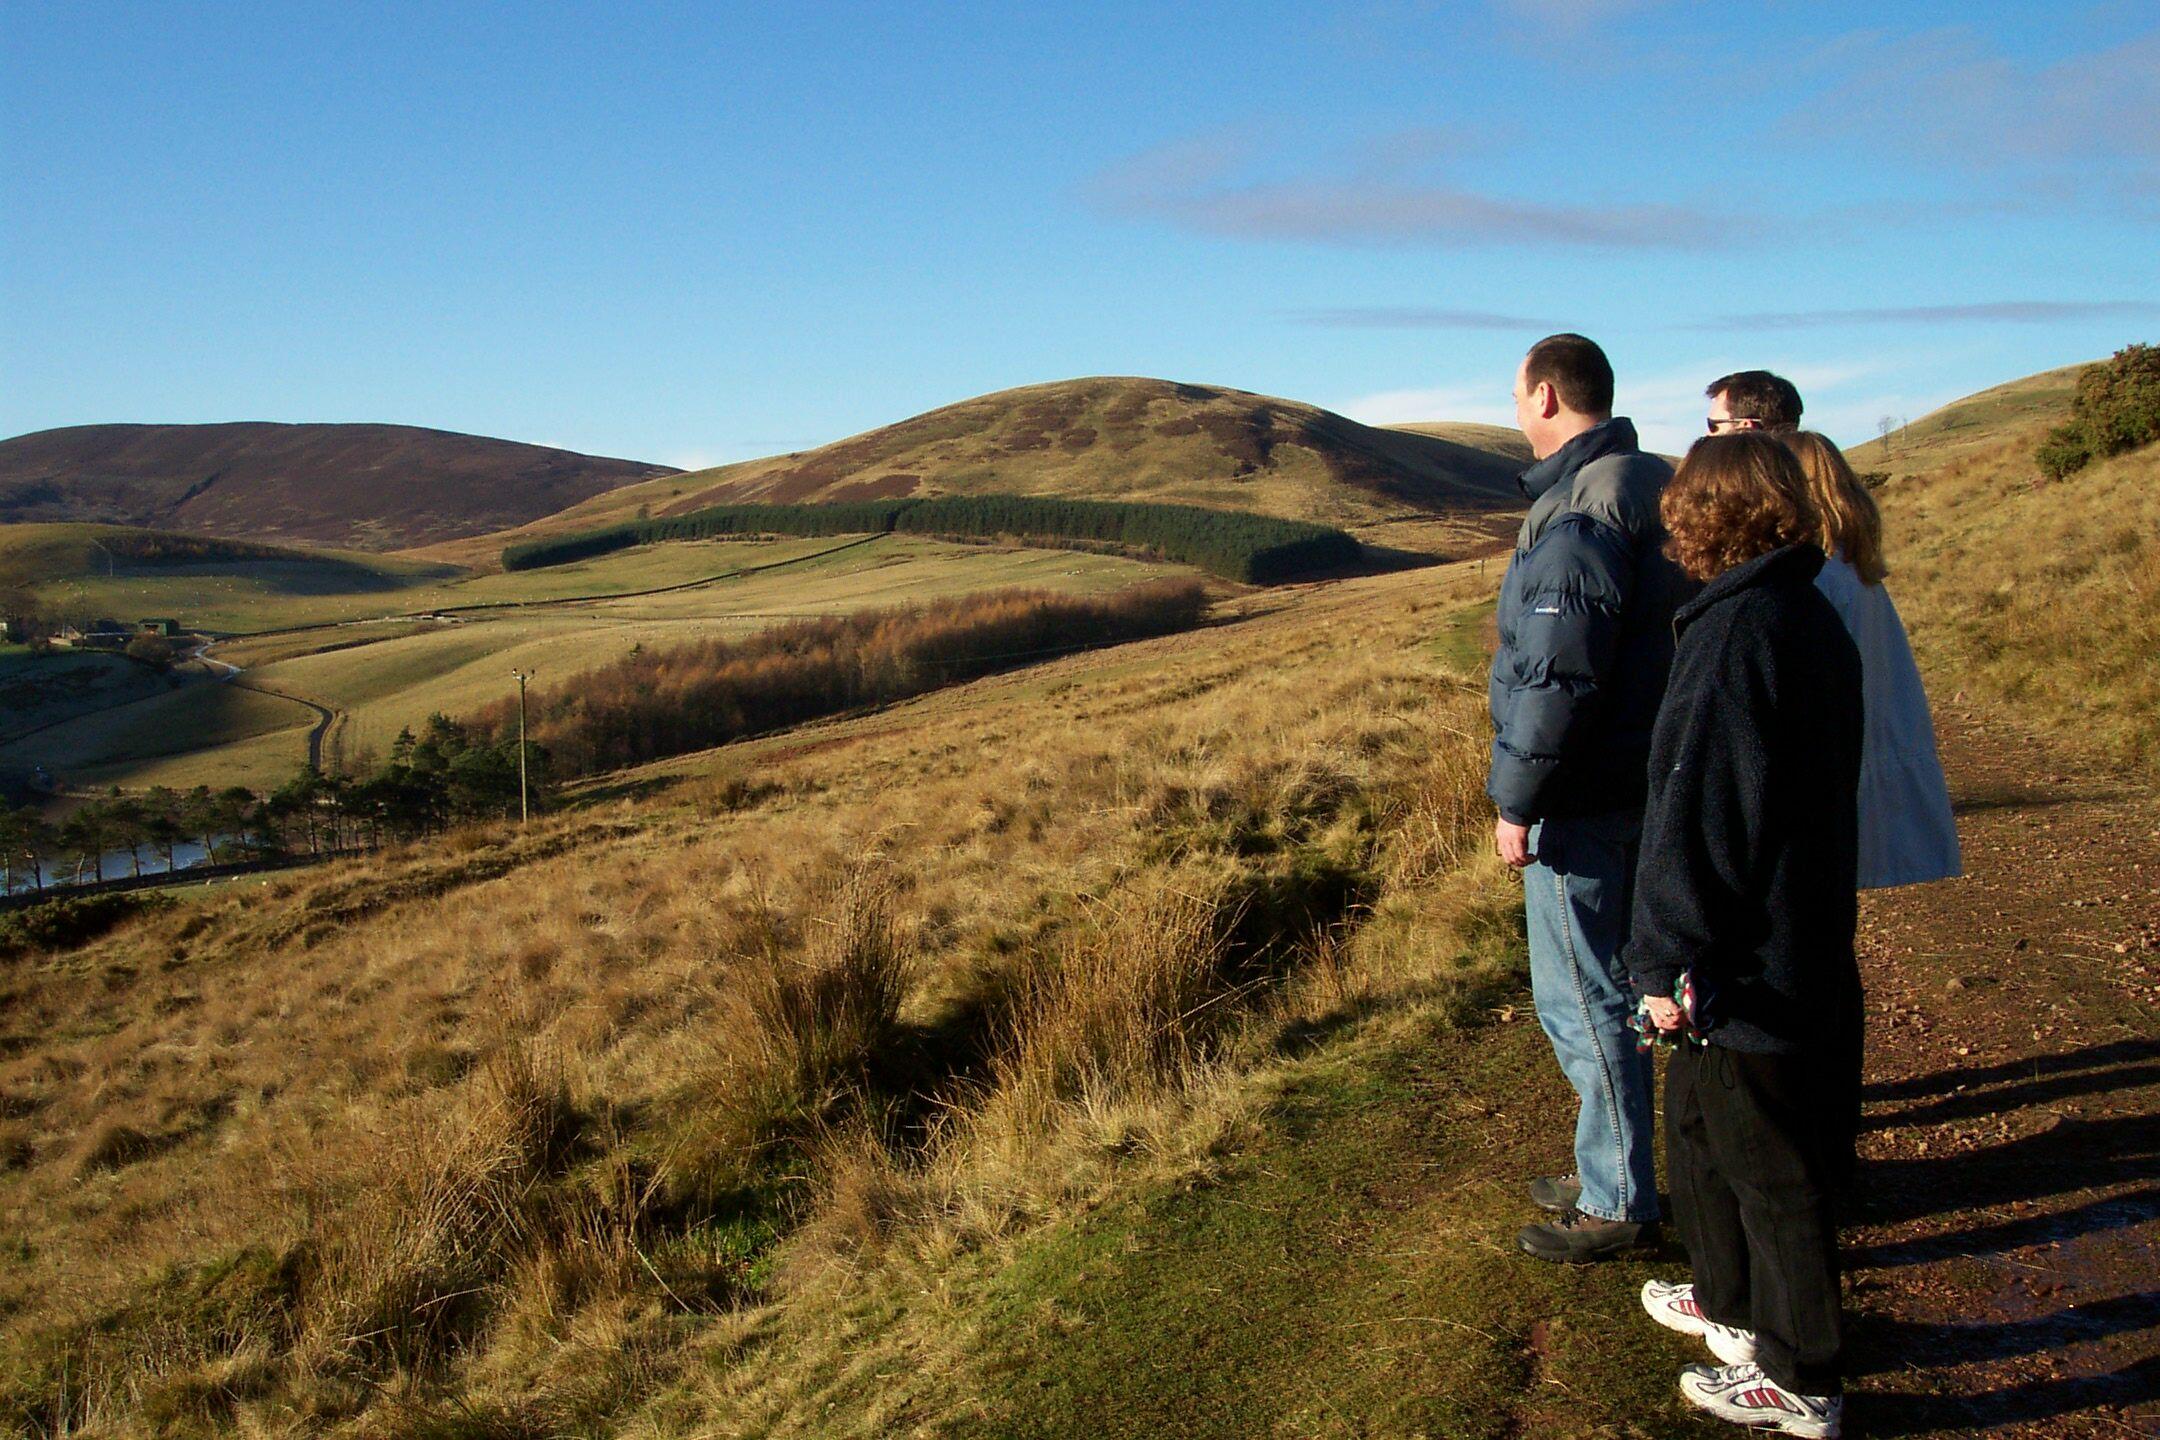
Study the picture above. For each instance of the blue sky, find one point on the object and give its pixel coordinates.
(700, 232)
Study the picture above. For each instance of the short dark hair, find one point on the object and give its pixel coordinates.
(1576, 369)
(1759, 395)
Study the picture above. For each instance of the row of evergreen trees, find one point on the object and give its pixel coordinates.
(1256, 549)
(448, 773)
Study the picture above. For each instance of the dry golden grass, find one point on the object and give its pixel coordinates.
(2043, 596)
(707, 1101)
(519, 1128)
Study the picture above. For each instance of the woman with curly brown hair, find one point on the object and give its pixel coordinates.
(1742, 936)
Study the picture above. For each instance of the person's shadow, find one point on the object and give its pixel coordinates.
(2069, 1156)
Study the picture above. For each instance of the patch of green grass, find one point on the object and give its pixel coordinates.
(159, 740)
(1346, 1268)
(38, 690)
(1463, 639)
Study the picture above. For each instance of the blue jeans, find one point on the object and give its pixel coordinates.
(1576, 894)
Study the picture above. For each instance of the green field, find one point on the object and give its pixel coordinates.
(36, 691)
(79, 572)
(239, 596)
(380, 678)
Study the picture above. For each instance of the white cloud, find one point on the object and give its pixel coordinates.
(1487, 404)
(1382, 193)
(2009, 312)
(1416, 317)
(2077, 127)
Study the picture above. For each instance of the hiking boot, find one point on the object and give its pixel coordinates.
(1574, 1237)
(1557, 1193)
(1746, 1396)
(1674, 1307)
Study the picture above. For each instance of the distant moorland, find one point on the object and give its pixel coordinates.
(364, 487)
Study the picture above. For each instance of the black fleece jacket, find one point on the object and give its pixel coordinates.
(1750, 839)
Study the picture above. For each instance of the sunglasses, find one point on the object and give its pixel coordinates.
(1719, 427)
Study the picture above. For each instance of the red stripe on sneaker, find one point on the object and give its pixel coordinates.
(1770, 1400)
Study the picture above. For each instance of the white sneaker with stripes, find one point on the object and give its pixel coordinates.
(1746, 1396)
(1674, 1307)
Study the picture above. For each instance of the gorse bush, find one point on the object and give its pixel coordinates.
(661, 702)
(1230, 543)
(2117, 409)
(63, 924)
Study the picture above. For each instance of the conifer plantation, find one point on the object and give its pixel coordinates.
(1256, 549)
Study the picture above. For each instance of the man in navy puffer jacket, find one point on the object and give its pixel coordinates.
(1585, 621)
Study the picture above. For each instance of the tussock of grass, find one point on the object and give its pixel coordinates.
(795, 1034)
(403, 1271)
(1124, 1013)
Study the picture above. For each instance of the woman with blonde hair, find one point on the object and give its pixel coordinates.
(1907, 833)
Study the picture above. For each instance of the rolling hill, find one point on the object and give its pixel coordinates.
(1502, 440)
(369, 487)
(1102, 438)
(78, 572)
(2015, 413)
(2041, 596)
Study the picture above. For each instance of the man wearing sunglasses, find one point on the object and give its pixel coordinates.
(1753, 400)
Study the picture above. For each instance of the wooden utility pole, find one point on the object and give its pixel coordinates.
(524, 792)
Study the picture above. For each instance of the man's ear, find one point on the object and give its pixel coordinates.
(1546, 399)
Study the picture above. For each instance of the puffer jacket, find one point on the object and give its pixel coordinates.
(1585, 621)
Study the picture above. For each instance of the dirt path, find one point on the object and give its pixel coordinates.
(2005, 1265)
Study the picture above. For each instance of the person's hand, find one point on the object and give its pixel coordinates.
(1665, 1014)
(1514, 842)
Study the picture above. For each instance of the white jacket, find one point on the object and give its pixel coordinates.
(1907, 834)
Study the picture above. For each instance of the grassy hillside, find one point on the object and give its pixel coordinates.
(371, 487)
(2042, 595)
(83, 571)
(1128, 1046)
(1103, 439)
(31, 552)
(1504, 440)
(1131, 1046)
(41, 690)
(2016, 413)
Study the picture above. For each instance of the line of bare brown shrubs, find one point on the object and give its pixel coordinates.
(656, 703)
